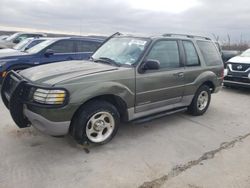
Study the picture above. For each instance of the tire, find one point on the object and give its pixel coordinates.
(96, 122)
(200, 101)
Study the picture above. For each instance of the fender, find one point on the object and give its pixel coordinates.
(207, 76)
(106, 88)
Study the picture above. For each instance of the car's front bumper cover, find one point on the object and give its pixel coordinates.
(237, 80)
(15, 96)
(44, 125)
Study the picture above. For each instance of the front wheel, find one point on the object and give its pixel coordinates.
(200, 101)
(97, 122)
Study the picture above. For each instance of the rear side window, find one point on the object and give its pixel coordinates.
(167, 53)
(210, 53)
(192, 58)
(86, 46)
(64, 46)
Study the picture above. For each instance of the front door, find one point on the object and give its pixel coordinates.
(156, 89)
(64, 50)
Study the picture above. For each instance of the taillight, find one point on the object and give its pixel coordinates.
(3, 74)
(222, 73)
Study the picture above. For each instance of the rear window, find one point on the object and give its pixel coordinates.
(210, 53)
(63, 46)
(86, 46)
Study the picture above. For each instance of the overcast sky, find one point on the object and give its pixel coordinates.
(205, 17)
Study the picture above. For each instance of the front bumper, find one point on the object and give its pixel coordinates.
(237, 81)
(236, 84)
(15, 95)
(44, 125)
(237, 78)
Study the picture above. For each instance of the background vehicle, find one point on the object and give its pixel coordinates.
(237, 72)
(127, 78)
(14, 39)
(49, 51)
(228, 54)
(22, 46)
(3, 37)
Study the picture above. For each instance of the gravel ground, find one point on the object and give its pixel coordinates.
(174, 151)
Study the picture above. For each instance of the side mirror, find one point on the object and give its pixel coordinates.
(49, 52)
(25, 49)
(16, 41)
(150, 64)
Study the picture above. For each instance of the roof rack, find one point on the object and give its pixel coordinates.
(185, 35)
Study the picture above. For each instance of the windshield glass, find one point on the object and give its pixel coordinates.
(246, 53)
(40, 46)
(122, 50)
(22, 44)
(12, 37)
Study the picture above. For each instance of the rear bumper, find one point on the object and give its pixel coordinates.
(44, 125)
(217, 89)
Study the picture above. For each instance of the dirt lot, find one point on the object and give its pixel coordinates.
(175, 151)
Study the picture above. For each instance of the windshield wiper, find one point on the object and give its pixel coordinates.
(106, 60)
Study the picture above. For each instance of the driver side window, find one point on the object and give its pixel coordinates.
(167, 53)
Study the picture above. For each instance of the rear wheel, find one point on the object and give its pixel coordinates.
(97, 122)
(200, 101)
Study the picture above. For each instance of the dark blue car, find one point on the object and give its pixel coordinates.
(49, 51)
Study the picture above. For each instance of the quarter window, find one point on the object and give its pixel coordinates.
(210, 53)
(192, 58)
(167, 53)
(65, 46)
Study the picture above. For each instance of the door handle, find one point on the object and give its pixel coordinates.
(179, 74)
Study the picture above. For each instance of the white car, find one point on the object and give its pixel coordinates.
(237, 72)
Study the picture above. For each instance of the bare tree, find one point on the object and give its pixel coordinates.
(216, 37)
(229, 40)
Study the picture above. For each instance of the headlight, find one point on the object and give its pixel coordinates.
(225, 72)
(45, 96)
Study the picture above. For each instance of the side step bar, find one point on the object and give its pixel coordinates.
(159, 115)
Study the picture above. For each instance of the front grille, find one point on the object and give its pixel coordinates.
(240, 66)
(11, 84)
(237, 79)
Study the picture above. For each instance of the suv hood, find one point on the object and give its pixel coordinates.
(240, 59)
(6, 44)
(8, 54)
(54, 73)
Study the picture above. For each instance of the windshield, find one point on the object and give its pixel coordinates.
(40, 46)
(122, 50)
(22, 44)
(12, 37)
(246, 53)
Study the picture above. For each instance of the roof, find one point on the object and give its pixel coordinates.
(76, 38)
(169, 35)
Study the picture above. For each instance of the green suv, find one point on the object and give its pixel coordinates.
(127, 78)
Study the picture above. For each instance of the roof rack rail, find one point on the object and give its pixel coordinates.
(185, 35)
